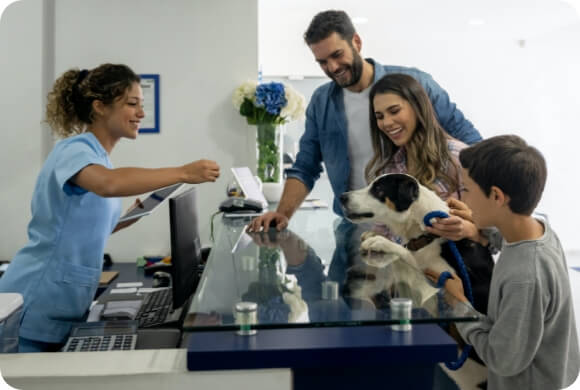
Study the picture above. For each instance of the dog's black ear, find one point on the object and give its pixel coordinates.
(400, 189)
(408, 192)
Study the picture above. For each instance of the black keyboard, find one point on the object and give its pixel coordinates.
(155, 308)
(117, 342)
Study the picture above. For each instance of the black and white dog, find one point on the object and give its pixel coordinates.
(400, 202)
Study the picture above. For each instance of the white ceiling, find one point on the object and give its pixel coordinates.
(283, 22)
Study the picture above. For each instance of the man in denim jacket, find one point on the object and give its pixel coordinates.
(337, 118)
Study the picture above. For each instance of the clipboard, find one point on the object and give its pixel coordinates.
(154, 200)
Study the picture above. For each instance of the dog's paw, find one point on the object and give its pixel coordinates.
(379, 260)
(366, 235)
(379, 244)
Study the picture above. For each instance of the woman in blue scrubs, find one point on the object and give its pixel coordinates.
(76, 205)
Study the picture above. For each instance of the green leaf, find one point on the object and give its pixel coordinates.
(247, 108)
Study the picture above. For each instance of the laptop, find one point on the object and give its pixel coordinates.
(167, 307)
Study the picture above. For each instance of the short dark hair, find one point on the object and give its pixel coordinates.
(327, 22)
(509, 163)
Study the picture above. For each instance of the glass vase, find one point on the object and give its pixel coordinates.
(269, 151)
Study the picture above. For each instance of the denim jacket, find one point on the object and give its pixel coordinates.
(325, 138)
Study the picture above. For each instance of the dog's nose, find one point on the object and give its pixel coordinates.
(344, 199)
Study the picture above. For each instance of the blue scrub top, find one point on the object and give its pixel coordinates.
(58, 270)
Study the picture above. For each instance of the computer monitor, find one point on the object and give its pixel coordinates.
(185, 246)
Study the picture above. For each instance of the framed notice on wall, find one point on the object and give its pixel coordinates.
(150, 87)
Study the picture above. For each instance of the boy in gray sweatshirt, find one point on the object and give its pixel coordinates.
(528, 339)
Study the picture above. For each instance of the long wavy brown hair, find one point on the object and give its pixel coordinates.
(427, 148)
(69, 103)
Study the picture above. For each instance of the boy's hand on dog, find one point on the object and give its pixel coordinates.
(453, 228)
(460, 209)
(458, 225)
(453, 285)
(266, 221)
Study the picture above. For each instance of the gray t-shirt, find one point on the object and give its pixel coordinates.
(360, 150)
(528, 339)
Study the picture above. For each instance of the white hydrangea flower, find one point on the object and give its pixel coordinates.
(245, 90)
(295, 102)
(295, 106)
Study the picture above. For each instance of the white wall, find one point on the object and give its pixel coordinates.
(501, 85)
(20, 117)
(202, 50)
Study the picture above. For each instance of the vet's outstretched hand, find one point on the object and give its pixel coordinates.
(453, 285)
(270, 219)
(201, 171)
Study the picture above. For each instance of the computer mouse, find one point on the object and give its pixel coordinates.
(233, 204)
(161, 279)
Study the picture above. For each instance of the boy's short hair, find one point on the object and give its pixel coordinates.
(509, 163)
(327, 22)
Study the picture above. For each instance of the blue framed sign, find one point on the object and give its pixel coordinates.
(150, 87)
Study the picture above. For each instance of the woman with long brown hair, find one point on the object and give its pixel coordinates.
(407, 138)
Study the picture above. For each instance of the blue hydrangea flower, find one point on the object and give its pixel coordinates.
(271, 96)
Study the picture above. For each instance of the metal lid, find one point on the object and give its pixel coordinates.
(246, 307)
(401, 302)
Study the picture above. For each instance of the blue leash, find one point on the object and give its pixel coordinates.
(446, 275)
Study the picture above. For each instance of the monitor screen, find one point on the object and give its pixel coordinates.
(185, 246)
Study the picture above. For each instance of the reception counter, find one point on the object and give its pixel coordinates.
(322, 319)
(318, 311)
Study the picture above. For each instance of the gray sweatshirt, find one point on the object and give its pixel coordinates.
(528, 339)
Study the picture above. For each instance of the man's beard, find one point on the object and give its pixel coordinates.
(355, 68)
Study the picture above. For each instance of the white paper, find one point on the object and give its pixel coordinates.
(115, 308)
(147, 290)
(124, 290)
(129, 284)
(95, 313)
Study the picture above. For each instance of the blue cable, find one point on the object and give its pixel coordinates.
(446, 275)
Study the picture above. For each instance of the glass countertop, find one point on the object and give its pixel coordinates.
(312, 274)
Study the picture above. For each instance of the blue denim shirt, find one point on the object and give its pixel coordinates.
(325, 138)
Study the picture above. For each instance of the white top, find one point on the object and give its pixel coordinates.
(360, 150)
(9, 303)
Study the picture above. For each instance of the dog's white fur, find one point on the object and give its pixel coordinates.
(407, 224)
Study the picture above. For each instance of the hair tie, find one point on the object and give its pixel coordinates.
(77, 98)
(81, 76)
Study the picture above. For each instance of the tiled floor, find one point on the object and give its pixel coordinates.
(472, 373)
